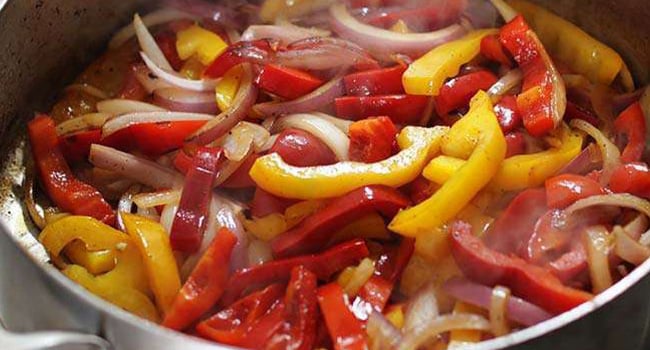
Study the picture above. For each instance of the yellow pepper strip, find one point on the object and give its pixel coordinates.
(151, 239)
(274, 9)
(427, 74)
(395, 315)
(124, 297)
(480, 132)
(461, 338)
(129, 270)
(371, 226)
(96, 235)
(299, 211)
(228, 86)
(266, 228)
(95, 262)
(203, 43)
(400, 27)
(571, 45)
(418, 146)
(354, 278)
(518, 172)
(192, 69)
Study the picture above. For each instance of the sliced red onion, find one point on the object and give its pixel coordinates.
(175, 79)
(152, 19)
(88, 90)
(610, 154)
(204, 9)
(422, 308)
(167, 216)
(239, 141)
(499, 311)
(518, 309)
(285, 33)
(509, 81)
(221, 124)
(313, 102)
(159, 198)
(181, 100)
(259, 252)
(84, 122)
(382, 334)
(624, 200)
(629, 249)
(598, 248)
(149, 45)
(441, 324)
(621, 101)
(126, 120)
(123, 106)
(342, 124)
(125, 205)
(141, 170)
(506, 11)
(227, 216)
(588, 160)
(319, 53)
(481, 14)
(386, 42)
(323, 129)
(148, 80)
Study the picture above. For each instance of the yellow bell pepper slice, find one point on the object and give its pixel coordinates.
(203, 43)
(95, 262)
(153, 243)
(127, 298)
(192, 69)
(427, 74)
(371, 226)
(395, 315)
(518, 172)
(571, 45)
(299, 211)
(96, 235)
(478, 132)
(418, 146)
(268, 227)
(462, 338)
(228, 86)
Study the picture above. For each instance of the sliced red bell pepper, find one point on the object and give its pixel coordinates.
(516, 144)
(166, 40)
(76, 147)
(205, 285)
(539, 104)
(385, 81)
(493, 50)
(564, 190)
(231, 325)
(372, 140)
(525, 280)
(265, 327)
(313, 233)
(401, 109)
(513, 228)
(392, 263)
(301, 313)
(300, 148)
(420, 189)
(631, 123)
(155, 139)
(264, 204)
(457, 92)
(324, 265)
(191, 218)
(286, 82)
(576, 111)
(62, 187)
(633, 178)
(571, 264)
(182, 161)
(235, 54)
(241, 178)
(345, 329)
(508, 114)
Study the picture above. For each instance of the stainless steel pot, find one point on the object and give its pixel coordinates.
(45, 43)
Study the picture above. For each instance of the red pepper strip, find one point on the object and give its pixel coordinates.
(526, 281)
(182, 161)
(493, 50)
(234, 55)
(576, 111)
(166, 40)
(633, 178)
(241, 178)
(508, 114)
(420, 190)
(76, 147)
(345, 330)
(205, 285)
(401, 109)
(457, 92)
(564, 190)
(324, 265)
(155, 139)
(391, 264)
(301, 313)
(571, 264)
(386, 81)
(516, 144)
(315, 231)
(631, 123)
(513, 228)
(537, 101)
(190, 220)
(264, 204)
(265, 327)
(63, 188)
(285, 82)
(372, 140)
(300, 148)
(230, 326)
(131, 87)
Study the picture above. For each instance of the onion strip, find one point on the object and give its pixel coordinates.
(175, 79)
(84, 122)
(628, 249)
(124, 121)
(598, 244)
(123, 106)
(154, 199)
(506, 11)
(610, 153)
(155, 18)
(624, 200)
(382, 334)
(327, 132)
(149, 45)
(89, 90)
(507, 82)
(422, 308)
(429, 329)
(498, 311)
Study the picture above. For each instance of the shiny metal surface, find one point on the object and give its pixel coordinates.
(45, 43)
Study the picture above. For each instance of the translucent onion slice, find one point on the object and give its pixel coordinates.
(123, 106)
(509, 81)
(386, 42)
(506, 11)
(237, 144)
(175, 79)
(154, 199)
(286, 33)
(598, 244)
(152, 19)
(149, 45)
(629, 249)
(124, 121)
(499, 311)
(610, 153)
(381, 333)
(441, 324)
(182, 100)
(342, 124)
(624, 200)
(84, 122)
(259, 252)
(89, 90)
(422, 308)
(360, 276)
(141, 170)
(148, 80)
(323, 129)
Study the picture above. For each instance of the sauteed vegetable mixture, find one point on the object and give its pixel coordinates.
(351, 174)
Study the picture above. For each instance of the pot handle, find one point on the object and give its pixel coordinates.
(47, 340)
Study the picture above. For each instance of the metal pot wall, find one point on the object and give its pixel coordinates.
(45, 43)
